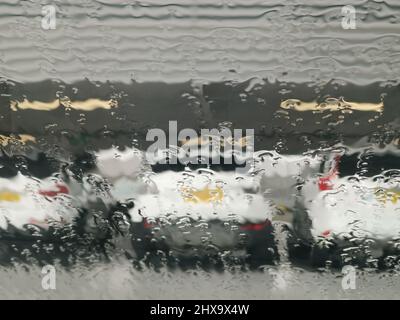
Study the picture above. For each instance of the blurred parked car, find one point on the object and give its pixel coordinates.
(345, 217)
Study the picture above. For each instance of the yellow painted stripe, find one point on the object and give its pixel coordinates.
(21, 138)
(86, 105)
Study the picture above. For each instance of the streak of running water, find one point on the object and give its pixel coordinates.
(205, 40)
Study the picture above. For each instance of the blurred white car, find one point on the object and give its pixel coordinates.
(32, 211)
(353, 218)
(203, 212)
(197, 212)
(28, 201)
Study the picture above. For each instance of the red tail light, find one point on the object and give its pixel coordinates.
(60, 189)
(325, 183)
(255, 226)
(146, 224)
(326, 233)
